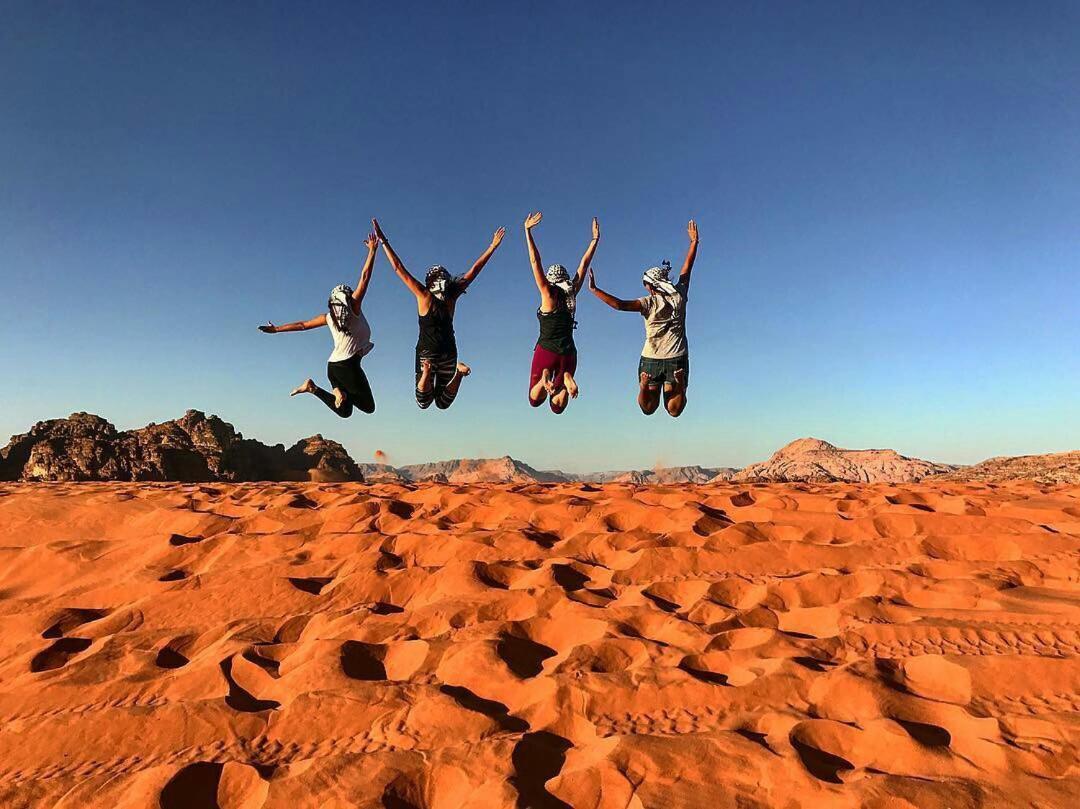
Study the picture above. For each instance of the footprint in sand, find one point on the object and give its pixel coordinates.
(525, 658)
(62, 623)
(311, 584)
(58, 654)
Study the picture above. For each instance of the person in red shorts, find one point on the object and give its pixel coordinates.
(555, 356)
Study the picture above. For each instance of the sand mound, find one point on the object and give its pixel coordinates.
(441, 645)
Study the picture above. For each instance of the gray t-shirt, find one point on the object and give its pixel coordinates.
(665, 324)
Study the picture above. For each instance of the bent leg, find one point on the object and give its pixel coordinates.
(425, 382)
(675, 392)
(344, 409)
(540, 387)
(674, 400)
(559, 401)
(360, 394)
(648, 394)
(445, 396)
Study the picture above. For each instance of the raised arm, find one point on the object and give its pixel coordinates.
(531, 221)
(611, 300)
(586, 259)
(372, 243)
(298, 325)
(415, 287)
(478, 265)
(691, 253)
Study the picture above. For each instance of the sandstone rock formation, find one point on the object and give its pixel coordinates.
(192, 448)
(1058, 467)
(672, 475)
(815, 461)
(480, 470)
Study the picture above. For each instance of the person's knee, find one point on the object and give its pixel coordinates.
(442, 404)
(535, 402)
(366, 407)
(558, 407)
(675, 405)
(648, 407)
(423, 404)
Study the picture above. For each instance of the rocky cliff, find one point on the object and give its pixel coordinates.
(192, 448)
(1057, 467)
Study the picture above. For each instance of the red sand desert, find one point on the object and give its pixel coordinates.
(615, 646)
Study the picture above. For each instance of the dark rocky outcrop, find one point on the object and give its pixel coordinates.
(192, 448)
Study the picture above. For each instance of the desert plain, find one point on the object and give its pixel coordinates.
(611, 646)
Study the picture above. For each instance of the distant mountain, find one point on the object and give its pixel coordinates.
(1058, 467)
(817, 461)
(196, 447)
(192, 448)
(664, 474)
(480, 470)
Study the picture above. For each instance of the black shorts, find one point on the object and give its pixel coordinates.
(662, 372)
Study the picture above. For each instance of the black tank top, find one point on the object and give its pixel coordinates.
(437, 331)
(557, 329)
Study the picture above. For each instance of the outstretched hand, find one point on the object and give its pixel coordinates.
(269, 328)
(532, 220)
(691, 230)
(595, 229)
(496, 240)
(372, 242)
(378, 231)
(592, 278)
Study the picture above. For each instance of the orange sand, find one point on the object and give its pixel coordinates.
(341, 645)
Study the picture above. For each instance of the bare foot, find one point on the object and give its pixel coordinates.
(646, 380)
(680, 378)
(571, 385)
(308, 387)
(548, 382)
(339, 397)
(463, 369)
(423, 384)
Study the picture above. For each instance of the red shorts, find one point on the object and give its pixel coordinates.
(558, 364)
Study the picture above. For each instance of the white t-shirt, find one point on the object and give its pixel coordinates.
(665, 324)
(355, 340)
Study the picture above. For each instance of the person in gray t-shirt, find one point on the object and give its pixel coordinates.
(665, 359)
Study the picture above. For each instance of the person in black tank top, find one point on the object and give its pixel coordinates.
(438, 372)
(554, 362)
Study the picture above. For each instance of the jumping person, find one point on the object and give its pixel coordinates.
(555, 356)
(352, 341)
(665, 360)
(438, 372)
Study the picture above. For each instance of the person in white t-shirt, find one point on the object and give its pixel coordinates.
(665, 358)
(351, 334)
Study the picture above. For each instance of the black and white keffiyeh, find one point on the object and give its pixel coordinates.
(658, 278)
(440, 283)
(558, 277)
(340, 305)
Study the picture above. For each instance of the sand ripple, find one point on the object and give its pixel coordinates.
(609, 647)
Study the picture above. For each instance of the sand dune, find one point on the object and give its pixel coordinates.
(341, 645)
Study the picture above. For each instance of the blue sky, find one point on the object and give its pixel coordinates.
(888, 196)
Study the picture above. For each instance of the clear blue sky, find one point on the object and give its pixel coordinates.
(888, 196)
